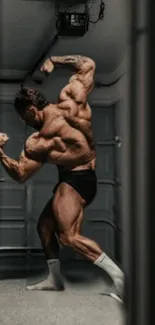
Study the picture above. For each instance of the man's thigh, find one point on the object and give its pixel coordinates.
(68, 209)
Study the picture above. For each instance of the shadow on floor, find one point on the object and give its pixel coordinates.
(74, 272)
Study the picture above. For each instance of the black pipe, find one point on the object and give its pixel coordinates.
(41, 58)
(40, 76)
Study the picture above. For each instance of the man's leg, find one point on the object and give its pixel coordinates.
(68, 210)
(46, 229)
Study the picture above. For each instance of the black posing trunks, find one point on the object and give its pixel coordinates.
(83, 181)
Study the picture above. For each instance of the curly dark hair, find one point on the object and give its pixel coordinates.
(27, 97)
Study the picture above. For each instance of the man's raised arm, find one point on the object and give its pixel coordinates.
(84, 66)
(79, 62)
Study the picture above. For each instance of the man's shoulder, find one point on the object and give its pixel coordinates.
(50, 109)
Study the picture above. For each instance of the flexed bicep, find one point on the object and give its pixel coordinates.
(20, 170)
(84, 77)
(82, 82)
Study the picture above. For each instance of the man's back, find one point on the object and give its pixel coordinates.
(69, 127)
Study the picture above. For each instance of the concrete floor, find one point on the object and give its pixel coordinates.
(81, 303)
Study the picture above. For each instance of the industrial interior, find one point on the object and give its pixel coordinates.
(32, 30)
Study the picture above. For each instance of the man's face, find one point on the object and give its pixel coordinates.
(29, 116)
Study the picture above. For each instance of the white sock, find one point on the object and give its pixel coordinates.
(105, 263)
(54, 281)
(55, 273)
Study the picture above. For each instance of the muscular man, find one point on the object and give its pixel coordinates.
(64, 138)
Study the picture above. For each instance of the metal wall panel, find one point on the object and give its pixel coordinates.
(12, 194)
(13, 225)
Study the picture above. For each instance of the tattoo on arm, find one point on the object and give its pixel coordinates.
(77, 61)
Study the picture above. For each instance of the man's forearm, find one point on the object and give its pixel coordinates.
(76, 61)
(11, 166)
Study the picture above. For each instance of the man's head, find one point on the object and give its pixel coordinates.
(29, 103)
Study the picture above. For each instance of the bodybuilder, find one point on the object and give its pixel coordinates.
(64, 138)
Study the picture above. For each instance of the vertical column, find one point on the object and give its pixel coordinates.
(151, 170)
(135, 209)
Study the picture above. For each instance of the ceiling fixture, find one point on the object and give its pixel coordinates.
(74, 23)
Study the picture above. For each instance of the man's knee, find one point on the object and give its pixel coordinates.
(67, 239)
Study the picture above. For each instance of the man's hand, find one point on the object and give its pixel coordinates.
(3, 139)
(47, 67)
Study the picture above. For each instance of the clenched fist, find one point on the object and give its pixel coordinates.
(3, 139)
(47, 67)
